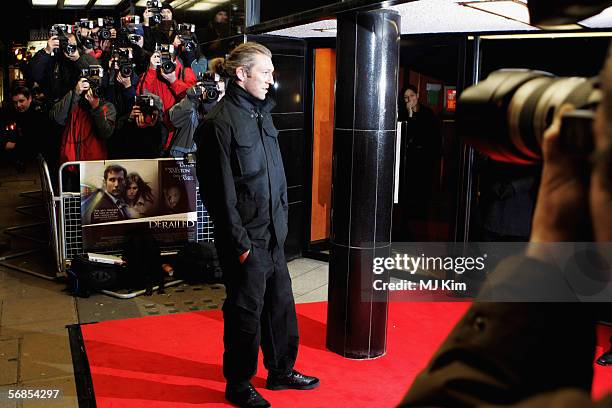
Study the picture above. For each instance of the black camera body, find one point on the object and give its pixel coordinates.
(60, 31)
(186, 35)
(155, 6)
(206, 87)
(94, 74)
(166, 51)
(123, 61)
(105, 24)
(145, 103)
(505, 115)
(85, 23)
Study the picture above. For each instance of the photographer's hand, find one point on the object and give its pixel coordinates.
(52, 44)
(93, 100)
(171, 77)
(81, 86)
(126, 82)
(10, 145)
(562, 206)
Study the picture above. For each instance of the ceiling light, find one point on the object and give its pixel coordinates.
(201, 7)
(75, 3)
(544, 35)
(44, 3)
(218, 1)
(177, 4)
(325, 30)
(105, 3)
(512, 9)
(141, 3)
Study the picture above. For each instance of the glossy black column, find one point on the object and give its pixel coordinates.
(367, 64)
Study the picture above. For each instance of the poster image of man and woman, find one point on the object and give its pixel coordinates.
(117, 196)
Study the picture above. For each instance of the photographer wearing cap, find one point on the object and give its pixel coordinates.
(142, 134)
(533, 355)
(88, 119)
(158, 25)
(57, 67)
(190, 111)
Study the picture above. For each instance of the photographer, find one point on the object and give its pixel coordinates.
(57, 67)
(120, 83)
(188, 113)
(494, 354)
(88, 120)
(158, 24)
(142, 135)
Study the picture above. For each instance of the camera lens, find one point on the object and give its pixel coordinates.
(505, 115)
(105, 34)
(168, 67)
(126, 70)
(190, 46)
(212, 94)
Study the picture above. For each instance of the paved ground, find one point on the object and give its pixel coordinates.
(34, 312)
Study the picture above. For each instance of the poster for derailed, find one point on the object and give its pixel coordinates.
(123, 195)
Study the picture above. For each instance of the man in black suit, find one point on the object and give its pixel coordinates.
(242, 178)
(107, 204)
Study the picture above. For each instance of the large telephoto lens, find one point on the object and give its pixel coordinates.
(505, 115)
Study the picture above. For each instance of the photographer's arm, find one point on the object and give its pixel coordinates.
(104, 117)
(180, 86)
(61, 109)
(181, 114)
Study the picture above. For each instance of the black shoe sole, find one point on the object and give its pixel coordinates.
(281, 387)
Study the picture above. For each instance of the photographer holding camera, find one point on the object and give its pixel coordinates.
(57, 67)
(120, 83)
(142, 134)
(189, 112)
(494, 354)
(87, 120)
(158, 24)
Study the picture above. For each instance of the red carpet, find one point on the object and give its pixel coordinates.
(175, 360)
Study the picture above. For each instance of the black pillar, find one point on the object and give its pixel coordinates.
(367, 64)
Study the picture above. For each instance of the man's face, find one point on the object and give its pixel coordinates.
(173, 195)
(411, 98)
(115, 183)
(221, 17)
(258, 80)
(21, 103)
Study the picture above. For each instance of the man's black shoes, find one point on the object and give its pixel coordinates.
(246, 398)
(292, 381)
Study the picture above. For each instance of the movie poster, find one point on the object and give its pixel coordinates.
(121, 195)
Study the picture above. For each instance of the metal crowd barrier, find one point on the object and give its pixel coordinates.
(66, 230)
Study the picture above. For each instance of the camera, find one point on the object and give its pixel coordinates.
(134, 38)
(186, 35)
(166, 51)
(145, 103)
(206, 87)
(122, 61)
(60, 31)
(505, 115)
(85, 23)
(10, 133)
(94, 74)
(105, 24)
(155, 6)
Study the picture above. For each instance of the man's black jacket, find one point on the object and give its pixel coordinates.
(241, 173)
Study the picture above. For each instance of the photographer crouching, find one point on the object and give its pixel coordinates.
(186, 115)
(514, 351)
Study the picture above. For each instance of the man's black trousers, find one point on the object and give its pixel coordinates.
(259, 310)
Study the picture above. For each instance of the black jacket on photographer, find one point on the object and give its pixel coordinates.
(162, 33)
(241, 172)
(56, 74)
(32, 134)
(121, 97)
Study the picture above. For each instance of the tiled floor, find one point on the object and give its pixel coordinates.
(34, 348)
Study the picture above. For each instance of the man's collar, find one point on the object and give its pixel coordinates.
(246, 100)
(116, 201)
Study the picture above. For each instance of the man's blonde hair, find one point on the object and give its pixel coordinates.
(244, 56)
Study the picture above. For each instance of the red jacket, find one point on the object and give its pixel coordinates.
(170, 94)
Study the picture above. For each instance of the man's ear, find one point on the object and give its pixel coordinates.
(241, 73)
